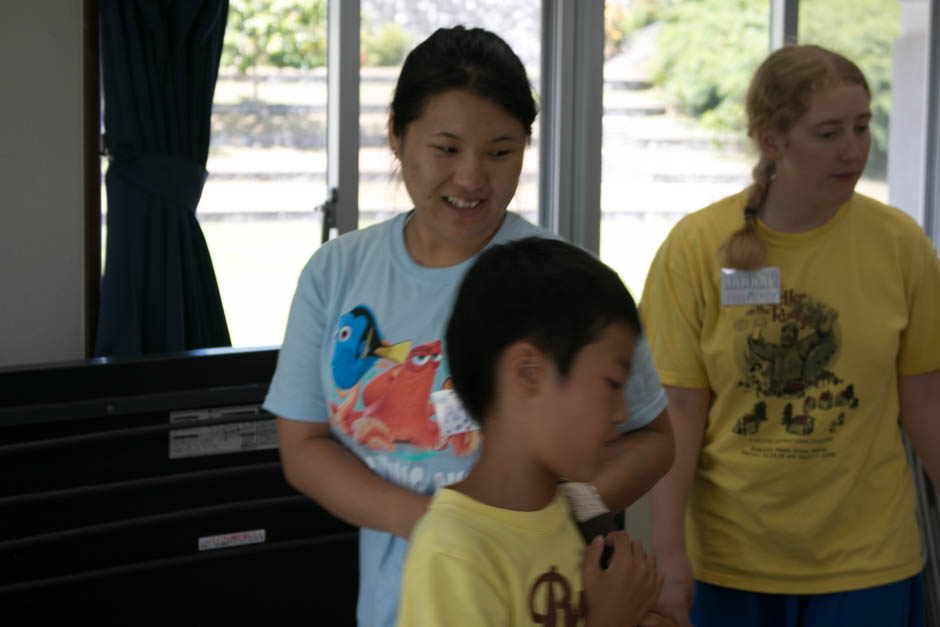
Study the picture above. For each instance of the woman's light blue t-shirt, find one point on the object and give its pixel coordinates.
(364, 351)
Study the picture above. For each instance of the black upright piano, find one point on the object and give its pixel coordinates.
(150, 490)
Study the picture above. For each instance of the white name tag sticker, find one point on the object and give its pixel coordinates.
(750, 287)
(452, 418)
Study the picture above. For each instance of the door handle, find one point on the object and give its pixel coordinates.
(328, 208)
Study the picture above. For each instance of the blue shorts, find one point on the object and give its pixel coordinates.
(899, 604)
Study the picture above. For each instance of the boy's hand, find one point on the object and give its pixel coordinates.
(625, 591)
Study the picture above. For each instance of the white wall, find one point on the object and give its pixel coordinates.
(42, 314)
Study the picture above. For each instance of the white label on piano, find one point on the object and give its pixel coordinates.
(228, 540)
(218, 439)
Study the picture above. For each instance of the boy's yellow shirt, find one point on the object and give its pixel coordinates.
(474, 564)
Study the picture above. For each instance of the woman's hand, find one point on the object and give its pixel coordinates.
(678, 590)
(659, 616)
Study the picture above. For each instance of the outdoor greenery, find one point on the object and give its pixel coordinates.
(292, 34)
(708, 50)
(276, 33)
(620, 22)
(384, 45)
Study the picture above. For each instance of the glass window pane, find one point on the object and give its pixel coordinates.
(390, 28)
(674, 136)
(267, 162)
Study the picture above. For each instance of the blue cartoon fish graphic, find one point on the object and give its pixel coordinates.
(359, 345)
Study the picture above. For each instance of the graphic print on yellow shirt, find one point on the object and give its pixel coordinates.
(552, 601)
(785, 351)
(802, 484)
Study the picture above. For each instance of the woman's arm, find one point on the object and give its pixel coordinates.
(688, 408)
(919, 396)
(320, 467)
(640, 459)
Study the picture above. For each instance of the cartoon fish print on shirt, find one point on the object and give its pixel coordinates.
(359, 346)
(397, 406)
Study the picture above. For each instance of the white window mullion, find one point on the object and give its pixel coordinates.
(932, 178)
(784, 17)
(342, 134)
(571, 125)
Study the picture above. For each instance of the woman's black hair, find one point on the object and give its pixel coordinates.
(470, 59)
(544, 291)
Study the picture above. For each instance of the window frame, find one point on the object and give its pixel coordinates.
(342, 119)
(570, 124)
(932, 157)
(91, 163)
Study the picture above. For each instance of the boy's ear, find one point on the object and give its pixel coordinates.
(525, 367)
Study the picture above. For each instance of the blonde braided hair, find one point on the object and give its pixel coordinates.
(778, 96)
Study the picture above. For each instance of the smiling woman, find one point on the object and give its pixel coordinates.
(460, 162)
(459, 134)
(367, 421)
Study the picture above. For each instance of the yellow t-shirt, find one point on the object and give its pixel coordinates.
(474, 564)
(802, 485)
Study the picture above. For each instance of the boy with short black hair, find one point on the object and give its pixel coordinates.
(539, 345)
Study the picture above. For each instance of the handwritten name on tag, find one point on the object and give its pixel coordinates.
(750, 287)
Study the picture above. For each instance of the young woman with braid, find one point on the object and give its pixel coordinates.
(796, 350)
